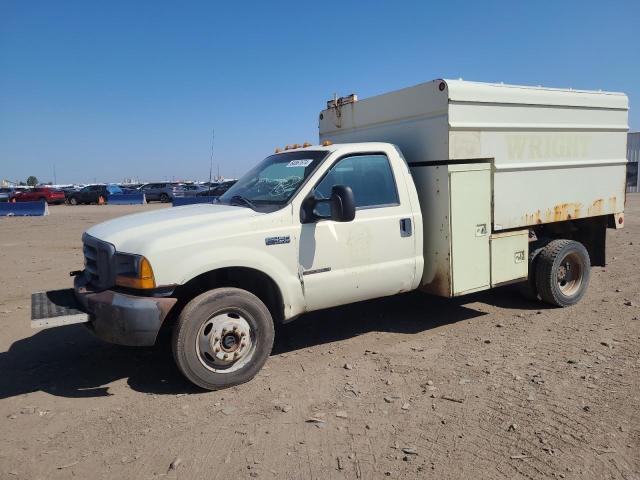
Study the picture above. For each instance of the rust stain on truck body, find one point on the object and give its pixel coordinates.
(570, 211)
(440, 284)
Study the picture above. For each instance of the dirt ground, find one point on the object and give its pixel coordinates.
(485, 386)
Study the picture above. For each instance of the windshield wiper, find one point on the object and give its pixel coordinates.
(244, 200)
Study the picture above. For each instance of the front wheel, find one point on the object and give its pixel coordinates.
(562, 272)
(73, 201)
(164, 198)
(222, 338)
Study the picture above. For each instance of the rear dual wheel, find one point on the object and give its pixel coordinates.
(222, 338)
(561, 272)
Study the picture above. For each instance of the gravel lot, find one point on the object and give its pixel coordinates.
(485, 386)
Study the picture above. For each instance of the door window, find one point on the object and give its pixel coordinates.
(369, 176)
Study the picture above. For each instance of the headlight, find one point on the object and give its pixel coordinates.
(134, 271)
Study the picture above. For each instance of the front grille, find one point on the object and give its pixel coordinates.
(98, 262)
(91, 262)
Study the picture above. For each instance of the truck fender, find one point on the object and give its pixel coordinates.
(241, 257)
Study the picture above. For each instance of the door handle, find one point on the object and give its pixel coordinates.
(405, 227)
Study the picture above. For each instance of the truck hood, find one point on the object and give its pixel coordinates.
(139, 232)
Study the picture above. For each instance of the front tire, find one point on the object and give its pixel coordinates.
(164, 198)
(222, 338)
(563, 270)
(73, 201)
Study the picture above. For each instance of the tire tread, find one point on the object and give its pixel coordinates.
(545, 272)
(185, 322)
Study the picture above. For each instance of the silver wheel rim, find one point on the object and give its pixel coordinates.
(225, 342)
(569, 274)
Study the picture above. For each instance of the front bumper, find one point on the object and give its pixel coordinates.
(121, 318)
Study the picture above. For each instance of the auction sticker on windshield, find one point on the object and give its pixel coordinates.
(299, 163)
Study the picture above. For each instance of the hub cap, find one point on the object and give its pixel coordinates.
(225, 342)
(569, 275)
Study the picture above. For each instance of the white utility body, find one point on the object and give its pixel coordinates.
(450, 187)
(500, 157)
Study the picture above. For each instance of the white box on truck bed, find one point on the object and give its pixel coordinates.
(555, 154)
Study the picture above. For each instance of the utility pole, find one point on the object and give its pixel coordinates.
(55, 180)
(213, 136)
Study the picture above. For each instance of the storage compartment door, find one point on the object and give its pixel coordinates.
(470, 192)
(509, 257)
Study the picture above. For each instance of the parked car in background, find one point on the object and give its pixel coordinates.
(187, 190)
(216, 190)
(130, 187)
(158, 192)
(114, 189)
(48, 194)
(7, 193)
(93, 194)
(68, 191)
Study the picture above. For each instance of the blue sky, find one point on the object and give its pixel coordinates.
(107, 90)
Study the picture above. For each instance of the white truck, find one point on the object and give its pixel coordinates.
(449, 187)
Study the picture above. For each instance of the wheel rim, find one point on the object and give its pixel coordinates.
(225, 342)
(569, 274)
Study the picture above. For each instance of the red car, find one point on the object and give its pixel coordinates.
(50, 195)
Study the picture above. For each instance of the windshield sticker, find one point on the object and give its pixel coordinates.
(299, 163)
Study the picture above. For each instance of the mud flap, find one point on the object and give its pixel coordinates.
(55, 308)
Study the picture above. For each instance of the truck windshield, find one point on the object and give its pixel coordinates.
(273, 181)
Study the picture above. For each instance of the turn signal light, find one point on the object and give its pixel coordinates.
(143, 279)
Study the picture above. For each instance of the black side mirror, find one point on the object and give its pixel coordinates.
(343, 204)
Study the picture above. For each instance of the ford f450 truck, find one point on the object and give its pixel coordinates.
(449, 187)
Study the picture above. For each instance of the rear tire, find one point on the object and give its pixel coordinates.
(73, 201)
(222, 338)
(164, 198)
(562, 272)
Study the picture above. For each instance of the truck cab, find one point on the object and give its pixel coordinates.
(307, 228)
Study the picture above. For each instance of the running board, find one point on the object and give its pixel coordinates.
(55, 308)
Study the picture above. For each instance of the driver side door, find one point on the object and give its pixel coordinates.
(371, 256)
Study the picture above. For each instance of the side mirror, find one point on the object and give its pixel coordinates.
(343, 204)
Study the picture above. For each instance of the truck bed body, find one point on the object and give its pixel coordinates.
(491, 160)
(555, 154)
